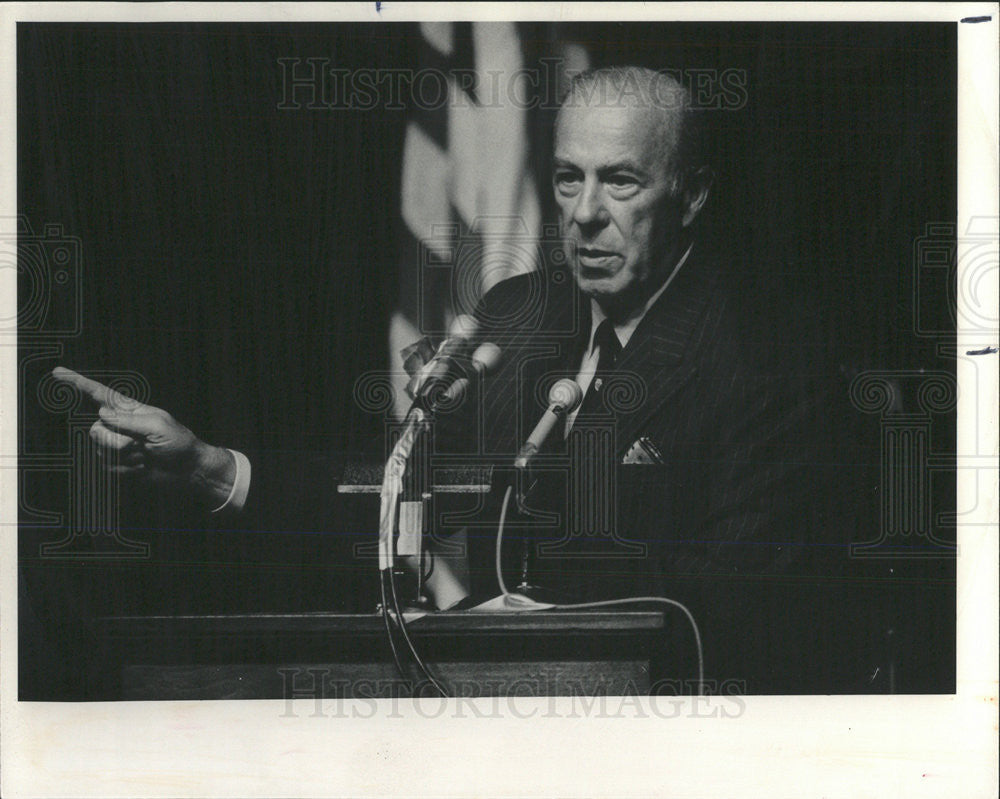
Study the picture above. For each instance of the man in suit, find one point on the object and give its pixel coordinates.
(691, 468)
(681, 473)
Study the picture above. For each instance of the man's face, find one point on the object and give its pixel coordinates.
(619, 223)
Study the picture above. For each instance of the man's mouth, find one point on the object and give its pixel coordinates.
(597, 258)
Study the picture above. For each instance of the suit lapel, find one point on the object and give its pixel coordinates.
(658, 356)
(659, 353)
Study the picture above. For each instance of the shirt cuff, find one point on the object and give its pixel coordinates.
(241, 484)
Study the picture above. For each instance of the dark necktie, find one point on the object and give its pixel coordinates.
(610, 348)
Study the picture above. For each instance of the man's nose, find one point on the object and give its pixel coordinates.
(589, 210)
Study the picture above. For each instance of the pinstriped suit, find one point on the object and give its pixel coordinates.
(729, 506)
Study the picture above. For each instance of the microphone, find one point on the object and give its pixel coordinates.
(483, 360)
(435, 378)
(438, 369)
(447, 375)
(430, 400)
(564, 397)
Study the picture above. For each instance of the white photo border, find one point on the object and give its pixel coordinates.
(778, 746)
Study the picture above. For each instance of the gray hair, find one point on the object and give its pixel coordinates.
(627, 86)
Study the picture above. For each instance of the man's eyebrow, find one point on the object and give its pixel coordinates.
(608, 169)
(621, 166)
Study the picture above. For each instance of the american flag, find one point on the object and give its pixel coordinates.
(470, 204)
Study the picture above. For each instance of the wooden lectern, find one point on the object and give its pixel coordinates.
(331, 655)
(328, 655)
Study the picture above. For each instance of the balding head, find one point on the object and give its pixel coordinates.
(666, 102)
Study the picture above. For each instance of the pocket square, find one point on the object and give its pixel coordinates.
(643, 451)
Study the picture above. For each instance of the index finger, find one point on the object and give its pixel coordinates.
(98, 392)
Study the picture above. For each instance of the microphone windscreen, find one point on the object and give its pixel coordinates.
(463, 327)
(486, 357)
(565, 394)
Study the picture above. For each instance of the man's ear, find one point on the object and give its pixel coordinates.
(696, 189)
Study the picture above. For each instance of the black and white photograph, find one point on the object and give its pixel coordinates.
(538, 367)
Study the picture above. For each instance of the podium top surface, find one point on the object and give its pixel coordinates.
(365, 624)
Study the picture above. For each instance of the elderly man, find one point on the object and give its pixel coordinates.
(681, 463)
(678, 473)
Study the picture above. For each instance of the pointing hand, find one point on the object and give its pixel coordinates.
(141, 440)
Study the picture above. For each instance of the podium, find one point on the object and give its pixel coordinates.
(328, 655)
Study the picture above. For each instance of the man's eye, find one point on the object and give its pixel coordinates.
(622, 186)
(566, 181)
(622, 181)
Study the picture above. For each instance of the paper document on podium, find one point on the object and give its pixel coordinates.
(508, 602)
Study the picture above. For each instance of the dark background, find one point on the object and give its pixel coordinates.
(243, 259)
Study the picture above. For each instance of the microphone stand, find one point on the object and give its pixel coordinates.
(392, 488)
(431, 398)
(564, 396)
(414, 506)
(527, 588)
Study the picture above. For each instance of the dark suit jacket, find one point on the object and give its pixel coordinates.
(741, 522)
(737, 515)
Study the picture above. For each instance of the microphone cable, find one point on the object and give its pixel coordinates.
(388, 632)
(387, 521)
(401, 623)
(391, 489)
(606, 602)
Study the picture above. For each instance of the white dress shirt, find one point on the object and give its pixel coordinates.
(241, 484)
(624, 331)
